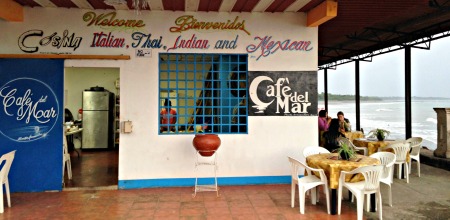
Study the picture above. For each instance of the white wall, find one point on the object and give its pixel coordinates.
(146, 155)
(76, 80)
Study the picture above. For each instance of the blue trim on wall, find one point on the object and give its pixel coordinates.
(221, 181)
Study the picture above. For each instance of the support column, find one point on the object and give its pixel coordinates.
(408, 132)
(357, 97)
(325, 82)
(443, 137)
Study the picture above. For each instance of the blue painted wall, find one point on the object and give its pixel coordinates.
(31, 111)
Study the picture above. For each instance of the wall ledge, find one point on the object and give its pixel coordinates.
(64, 56)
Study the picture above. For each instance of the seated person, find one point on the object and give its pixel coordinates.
(324, 123)
(344, 123)
(330, 136)
(168, 116)
(324, 120)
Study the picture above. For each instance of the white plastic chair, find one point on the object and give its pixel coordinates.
(8, 158)
(415, 143)
(343, 140)
(401, 151)
(371, 184)
(387, 159)
(311, 150)
(306, 183)
(66, 159)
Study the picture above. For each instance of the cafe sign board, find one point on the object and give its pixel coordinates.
(31, 116)
(29, 109)
(282, 93)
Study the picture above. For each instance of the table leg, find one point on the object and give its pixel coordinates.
(333, 201)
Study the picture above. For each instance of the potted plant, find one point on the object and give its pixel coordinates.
(379, 133)
(346, 152)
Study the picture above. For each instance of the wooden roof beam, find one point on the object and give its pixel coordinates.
(11, 11)
(321, 13)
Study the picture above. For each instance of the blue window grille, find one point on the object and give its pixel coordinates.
(202, 93)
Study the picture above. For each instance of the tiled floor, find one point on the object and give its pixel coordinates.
(99, 168)
(234, 202)
(427, 198)
(93, 168)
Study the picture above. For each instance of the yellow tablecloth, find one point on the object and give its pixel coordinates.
(352, 135)
(373, 145)
(333, 167)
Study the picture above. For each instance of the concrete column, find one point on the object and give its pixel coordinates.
(443, 139)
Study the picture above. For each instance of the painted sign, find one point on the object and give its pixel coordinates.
(145, 41)
(30, 41)
(189, 22)
(282, 93)
(135, 34)
(31, 94)
(29, 109)
(266, 46)
(109, 20)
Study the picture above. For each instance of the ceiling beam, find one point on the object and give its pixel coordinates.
(84, 4)
(191, 5)
(321, 13)
(262, 5)
(296, 6)
(46, 3)
(11, 11)
(155, 5)
(227, 6)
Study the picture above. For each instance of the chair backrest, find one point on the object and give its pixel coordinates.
(8, 158)
(296, 165)
(343, 140)
(310, 150)
(372, 175)
(400, 150)
(387, 159)
(415, 144)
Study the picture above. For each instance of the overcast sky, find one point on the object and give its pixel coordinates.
(384, 76)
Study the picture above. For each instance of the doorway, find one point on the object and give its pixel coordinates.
(92, 167)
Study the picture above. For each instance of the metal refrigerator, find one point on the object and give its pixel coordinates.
(98, 120)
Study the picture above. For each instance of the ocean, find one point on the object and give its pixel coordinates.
(390, 115)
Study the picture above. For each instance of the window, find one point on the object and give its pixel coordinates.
(202, 93)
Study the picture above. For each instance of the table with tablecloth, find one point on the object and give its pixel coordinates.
(373, 145)
(333, 167)
(352, 135)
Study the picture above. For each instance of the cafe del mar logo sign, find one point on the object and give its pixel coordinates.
(29, 109)
(283, 93)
